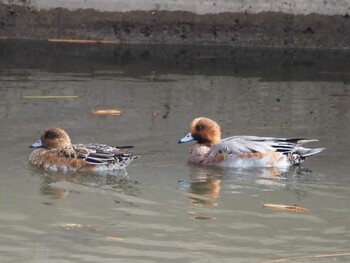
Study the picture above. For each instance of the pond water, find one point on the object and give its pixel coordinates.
(162, 209)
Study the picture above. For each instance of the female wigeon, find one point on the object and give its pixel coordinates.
(243, 151)
(55, 152)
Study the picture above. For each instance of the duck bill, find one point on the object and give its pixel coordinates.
(187, 138)
(37, 144)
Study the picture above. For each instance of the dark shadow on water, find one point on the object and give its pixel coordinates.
(206, 183)
(146, 62)
(58, 184)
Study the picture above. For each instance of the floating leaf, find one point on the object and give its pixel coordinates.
(84, 41)
(71, 226)
(107, 112)
(297, 259)
(289, 208)
(115, 238)
(50, 97)
(203, 218)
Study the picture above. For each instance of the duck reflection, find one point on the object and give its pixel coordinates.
(58, 184)
(205, 183)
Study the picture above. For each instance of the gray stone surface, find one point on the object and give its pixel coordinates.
(297, 7)
(263, 23)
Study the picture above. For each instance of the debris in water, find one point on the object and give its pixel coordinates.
(289, 208)
(50, 97)
(83, 41)
(107, 112)
(115, 238)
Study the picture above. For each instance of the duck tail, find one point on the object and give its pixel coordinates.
(305, 152)
(299, 154)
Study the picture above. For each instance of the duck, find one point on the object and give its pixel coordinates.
(54, 151)
(243, 151)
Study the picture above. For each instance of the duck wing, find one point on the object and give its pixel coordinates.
(255, 144)
(95, 153)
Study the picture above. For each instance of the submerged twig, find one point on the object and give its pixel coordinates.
(107, 112)
(308, 257)
(50, 97)
(84, 41)
(289, 208)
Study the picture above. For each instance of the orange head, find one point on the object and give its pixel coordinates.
(204, 131)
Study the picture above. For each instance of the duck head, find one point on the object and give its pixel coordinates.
(203, 130)
(52, 138)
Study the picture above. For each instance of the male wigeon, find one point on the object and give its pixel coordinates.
(55, 152)
(243, 151)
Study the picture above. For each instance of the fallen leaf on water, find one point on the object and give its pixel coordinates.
(191, 212)
(83, 41)
(335, 255)
(49, 97)
(290, 208)
(107, 112)
(203, 218)
(115, 238)
(73, 226)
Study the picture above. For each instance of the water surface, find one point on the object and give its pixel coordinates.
(162, 209)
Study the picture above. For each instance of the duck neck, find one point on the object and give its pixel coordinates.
(216, 140)
(210, 143)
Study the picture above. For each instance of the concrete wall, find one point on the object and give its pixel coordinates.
(297, 7)
(287, 23)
